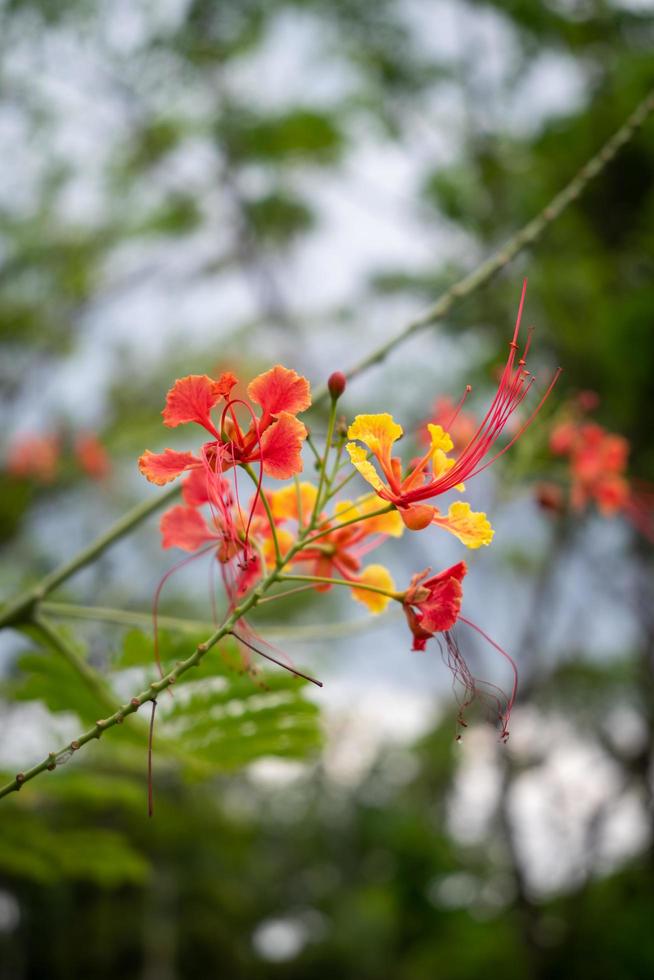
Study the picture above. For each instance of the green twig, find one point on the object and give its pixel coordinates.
(21, 609)
(527, 235)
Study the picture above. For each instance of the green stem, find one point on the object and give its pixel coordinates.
(325, 580)
(122, 617)
(527, 235)
(21, 609)
(149, 694)
(323, 464)
(353, 520)
(271, 520)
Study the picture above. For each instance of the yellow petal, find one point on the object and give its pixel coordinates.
(440, 439)
(358, 457)
(377, 432)
(285, 539)
(471, 527)
(380, 577)
(284, 502)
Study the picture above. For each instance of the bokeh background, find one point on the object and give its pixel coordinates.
(192, 185)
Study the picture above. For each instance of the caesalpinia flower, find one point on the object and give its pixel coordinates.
(338, 552)
(598, 461)
(241, 542)
(272, 439)
(92, 455)
(436, 472)
(432, 605)
(34, 457)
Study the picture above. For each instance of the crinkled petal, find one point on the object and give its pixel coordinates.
(440, 439)
(191, 399)
(441, 610)
(471, 527)
(185, 528)
(377, 432)
(281, 447)
(380, 577)
(289, 501)
(280, 390)
(358, 456)
(161, 468)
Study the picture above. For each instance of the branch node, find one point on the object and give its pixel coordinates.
(74, 745)
(20, 779)
(135, 703)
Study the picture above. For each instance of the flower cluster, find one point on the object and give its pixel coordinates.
(40, 457)
(304, 532)
(596, 474)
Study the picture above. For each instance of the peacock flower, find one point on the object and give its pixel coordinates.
(373, 438)
(238, 542)
(92, 456)
(433, 604)
(273, 438)
(339, 551)
(34, 457)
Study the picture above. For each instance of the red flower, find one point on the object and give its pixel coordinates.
(34, 457)
(433, 605)
(598, 460)
(92, 456)
(273, 439)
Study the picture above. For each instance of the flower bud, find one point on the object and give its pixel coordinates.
(336, 384)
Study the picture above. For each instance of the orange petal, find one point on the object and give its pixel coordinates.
(471, 527)
(281, 447)
(163, 467)
(191, 399)
(418, 516)
(185, 528)
(280, 390)
(380, 577)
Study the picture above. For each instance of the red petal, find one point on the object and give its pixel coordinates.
(191, 399)
(184, 527)
(281, 447)
(441, 610)
(195, 489)
(163, 467)
(280, 390)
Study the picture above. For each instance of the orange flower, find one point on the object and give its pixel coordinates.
(34, 457)
(598, 460)
(92, 456)
(436, 473)
(339, 552)
(273, 439)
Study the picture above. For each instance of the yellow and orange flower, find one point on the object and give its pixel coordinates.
(378, 433)
(373, 437)
(338, 551)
